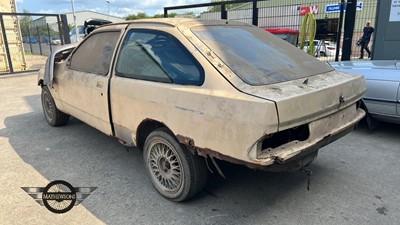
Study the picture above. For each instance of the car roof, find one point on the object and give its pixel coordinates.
(175, 22)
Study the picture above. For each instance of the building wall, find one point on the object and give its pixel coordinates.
(387, 45)
(43, 21)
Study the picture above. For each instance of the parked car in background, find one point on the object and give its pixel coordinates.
(29, 40)
(319, 47)
(322, 48)
(93, 23)
(85, 29)
(286, 34)
(81, 34)
(55, 40)
(382, 99)
(331, 48)
(187, 91)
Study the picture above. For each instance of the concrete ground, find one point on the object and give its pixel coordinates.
(355, 179)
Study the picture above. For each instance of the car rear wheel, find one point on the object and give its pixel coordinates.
(54, 117)
(175, 172)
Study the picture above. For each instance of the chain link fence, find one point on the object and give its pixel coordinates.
(280, 16)
(27, 38)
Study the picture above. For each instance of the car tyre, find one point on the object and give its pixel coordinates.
(371, 122)
(175, 172)
(54, 117)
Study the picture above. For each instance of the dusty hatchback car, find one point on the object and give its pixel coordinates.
(188, 90)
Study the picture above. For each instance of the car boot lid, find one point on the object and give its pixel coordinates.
(304, 100)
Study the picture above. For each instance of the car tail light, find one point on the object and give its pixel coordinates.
(331, 48)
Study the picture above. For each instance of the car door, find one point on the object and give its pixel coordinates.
(381, 96)
(154, 73)
(83, 84)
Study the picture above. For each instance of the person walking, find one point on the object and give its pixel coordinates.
(366, 38)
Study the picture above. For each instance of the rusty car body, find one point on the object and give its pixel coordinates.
(185, 90)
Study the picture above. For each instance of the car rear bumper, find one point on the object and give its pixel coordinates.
(295, 154)
(307, 155)
(321, 133)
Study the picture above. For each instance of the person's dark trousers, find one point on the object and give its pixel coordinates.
(365, 46)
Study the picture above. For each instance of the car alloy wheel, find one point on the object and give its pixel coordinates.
(48, 106)
(165, 166)
(175, 172)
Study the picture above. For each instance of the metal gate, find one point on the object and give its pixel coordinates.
(26, 39)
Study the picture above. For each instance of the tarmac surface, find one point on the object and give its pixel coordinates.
(355, 180)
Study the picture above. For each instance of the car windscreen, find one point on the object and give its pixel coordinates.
(257, 57)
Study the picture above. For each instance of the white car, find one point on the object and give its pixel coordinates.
(88, 27)
(55, 40)
(81, 34)
(322, 48)
(319, 47)
(331, 48)
(187, 91)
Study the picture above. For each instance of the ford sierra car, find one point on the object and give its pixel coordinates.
(189, 91)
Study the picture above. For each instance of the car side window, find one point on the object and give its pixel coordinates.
(157, 56)
(95, 53)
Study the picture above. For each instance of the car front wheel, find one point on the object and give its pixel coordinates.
(175, 172)
(54, 117)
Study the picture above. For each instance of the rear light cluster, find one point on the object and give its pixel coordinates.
(331, 48)
(300, 133)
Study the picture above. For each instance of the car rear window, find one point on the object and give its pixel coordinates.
(258, 57)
